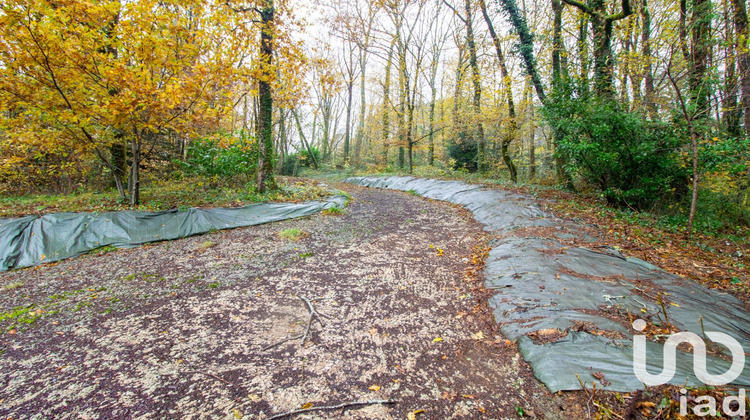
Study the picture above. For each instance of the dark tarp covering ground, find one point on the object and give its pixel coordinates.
(33, 240)
(542, 286)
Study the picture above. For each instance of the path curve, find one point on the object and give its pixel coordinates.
(177, 329)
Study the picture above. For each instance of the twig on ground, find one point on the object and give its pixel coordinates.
(270, 346)
(313, 316)
(330, 407)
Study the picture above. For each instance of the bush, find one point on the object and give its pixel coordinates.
(463, 155)
(634, 162)
(290, 161)
(224, 156)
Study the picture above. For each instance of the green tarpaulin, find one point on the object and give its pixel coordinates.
(34, 240)
(542, 285)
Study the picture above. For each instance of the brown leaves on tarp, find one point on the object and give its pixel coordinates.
(591, 328)
(602, 379)
(715, 262)
(547, 335)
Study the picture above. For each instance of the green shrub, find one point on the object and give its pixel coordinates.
(290, 166)
(463, 155)
(224, 156)
(634, 162)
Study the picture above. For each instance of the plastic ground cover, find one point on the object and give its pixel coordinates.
(34, 240)
(541, 286)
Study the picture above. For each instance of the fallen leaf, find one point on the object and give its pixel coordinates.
(237, 413)
(548, 331)
(375, 388)
(435, 340)
(305, 406)
(469, 396)
(446, 395)
(413, 414)
(478, 336)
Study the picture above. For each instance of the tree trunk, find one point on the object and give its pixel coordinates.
(743, 58)
(700, 57)
(731, 113)
(347, 129)
(558, 80)
(532, 146)
(473, 62)
(602, 24)
(387, 103)
(431, 134)
(401, 113)
(459, 132)
(648, 76)
(527, 45)
(683, 32)
(265, 179)
(409, 139)
(303, 139)
(362, 107)
(119, 158)
(135, 173)
(626, 68)
(557, 43)
(431, 124)
(602, 33)
(506, 82)
(583, 52)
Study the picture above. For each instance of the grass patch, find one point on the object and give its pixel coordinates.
(21, 315)
(206, 245)
(193, 279)
(414, 193)
(293, 234)
(11, 286)
(147, 277)
(333, 211)
(157, 195)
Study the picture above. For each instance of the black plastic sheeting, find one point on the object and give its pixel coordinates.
(34, 240)
(541, 285)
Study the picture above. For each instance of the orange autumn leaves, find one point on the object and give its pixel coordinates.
(77, 76)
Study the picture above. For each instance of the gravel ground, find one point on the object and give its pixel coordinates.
(181, 329)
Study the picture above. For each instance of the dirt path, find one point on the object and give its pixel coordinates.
(177, 329)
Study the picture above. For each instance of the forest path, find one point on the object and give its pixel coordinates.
(178, 329)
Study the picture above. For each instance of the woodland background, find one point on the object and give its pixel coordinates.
(642, 104)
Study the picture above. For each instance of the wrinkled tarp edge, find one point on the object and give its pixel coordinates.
(30, 240)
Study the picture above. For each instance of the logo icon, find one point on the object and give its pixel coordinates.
(699, 357)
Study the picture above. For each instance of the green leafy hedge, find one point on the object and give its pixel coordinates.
(224, 156)
(634, 162)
